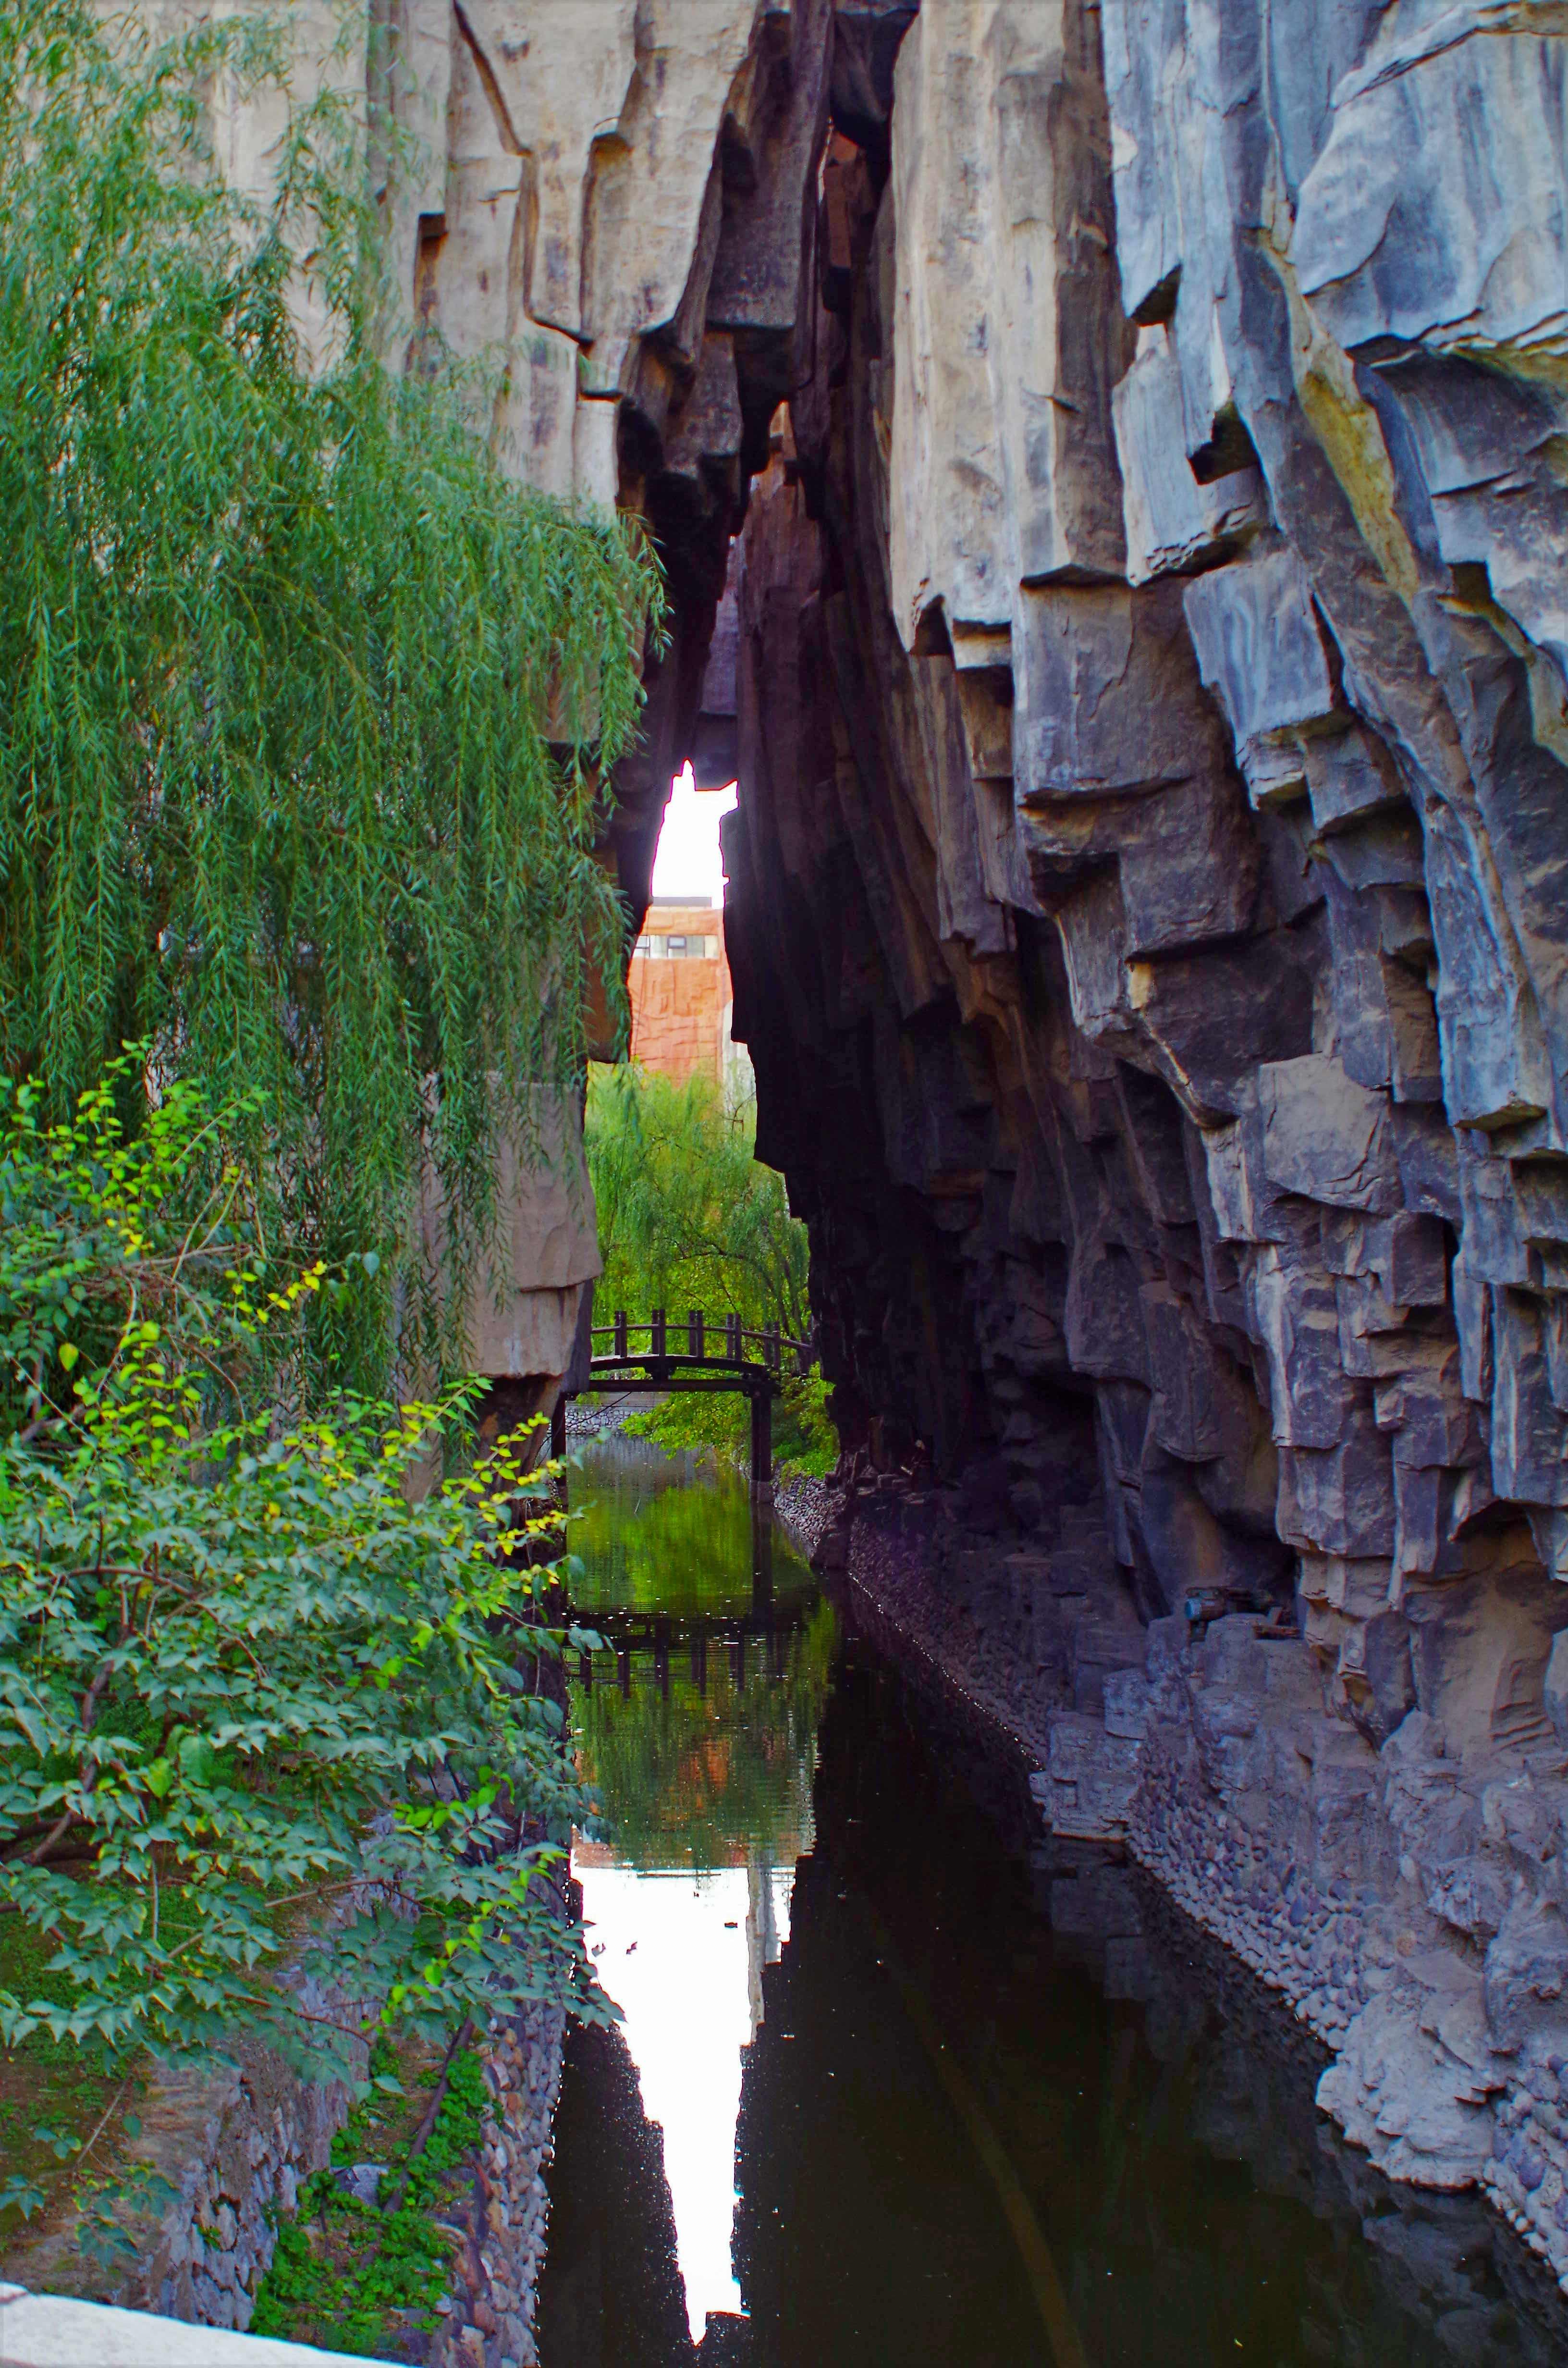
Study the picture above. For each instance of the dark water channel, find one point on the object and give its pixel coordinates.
(900, 2083)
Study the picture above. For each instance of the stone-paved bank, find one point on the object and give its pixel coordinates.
(1404, 1905)
(501, 2234)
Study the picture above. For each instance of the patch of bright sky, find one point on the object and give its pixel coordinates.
(689, 863)
(676, 1962)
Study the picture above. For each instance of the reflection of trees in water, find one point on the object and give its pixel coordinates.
(705, 1778)
(648, 1543)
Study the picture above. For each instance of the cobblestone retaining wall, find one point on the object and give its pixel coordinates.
(231, 2143)
(234, 2147)
(502, 2234)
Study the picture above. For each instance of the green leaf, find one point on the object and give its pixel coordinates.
(61, 2143)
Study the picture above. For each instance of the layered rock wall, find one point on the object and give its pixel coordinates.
(1148, 927)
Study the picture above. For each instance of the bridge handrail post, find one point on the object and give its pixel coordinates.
(695, 1326)
(733, 1337)
(656, 1337)
(621, 1331)
(770, 1347)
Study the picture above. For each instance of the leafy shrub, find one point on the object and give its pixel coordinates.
(265, 1695)
(354, 2275)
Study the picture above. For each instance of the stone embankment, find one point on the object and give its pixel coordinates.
(1400, 1904)
(601, 1420)
(500, 2237)
(803, 1508)
(236, 2145)
(237, 2148)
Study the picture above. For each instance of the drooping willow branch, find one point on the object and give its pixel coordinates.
(308, 704)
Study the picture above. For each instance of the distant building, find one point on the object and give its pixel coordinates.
(681, 998)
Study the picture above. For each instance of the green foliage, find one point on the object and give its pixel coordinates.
(354, 2276)
(106, 1232)
(690, 1776)
(687, 1216)
(804, 1439)
(307, 703)
(265, 1695)
(690, 1218)
(46, 2090)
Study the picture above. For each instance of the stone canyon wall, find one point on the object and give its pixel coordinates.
(1148, 929)
(1144, 660)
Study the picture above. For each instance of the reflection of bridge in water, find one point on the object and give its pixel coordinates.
(757, 1637)
(661, 1645)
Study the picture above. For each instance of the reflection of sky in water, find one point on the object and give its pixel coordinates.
(682, 1958)
(704, 1765)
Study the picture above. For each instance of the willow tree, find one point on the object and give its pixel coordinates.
(307, 705)
(688, 1216)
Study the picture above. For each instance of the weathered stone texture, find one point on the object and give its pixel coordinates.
(1149, 921)
(234, 2145)
(603, 203)
(501, 2228)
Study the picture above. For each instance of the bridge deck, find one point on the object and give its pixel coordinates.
(695, 1368)
(681, 1372)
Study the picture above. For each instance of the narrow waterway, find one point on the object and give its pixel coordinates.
(899, 2083)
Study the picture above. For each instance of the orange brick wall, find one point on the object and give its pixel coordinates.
(677, 1001)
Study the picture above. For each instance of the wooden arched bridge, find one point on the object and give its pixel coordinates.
(695, 1353)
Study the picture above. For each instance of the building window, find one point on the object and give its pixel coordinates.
(683, 946)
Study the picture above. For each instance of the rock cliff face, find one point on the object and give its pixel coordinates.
(1150, 883)
(1145, 656)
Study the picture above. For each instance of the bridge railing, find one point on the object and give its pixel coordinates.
(689, 1338)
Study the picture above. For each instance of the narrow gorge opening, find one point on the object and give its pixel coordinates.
(1143, 925)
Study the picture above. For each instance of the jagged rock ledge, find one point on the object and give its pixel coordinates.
(1400, 1904)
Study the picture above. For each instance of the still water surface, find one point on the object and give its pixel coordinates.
(899, 2083)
